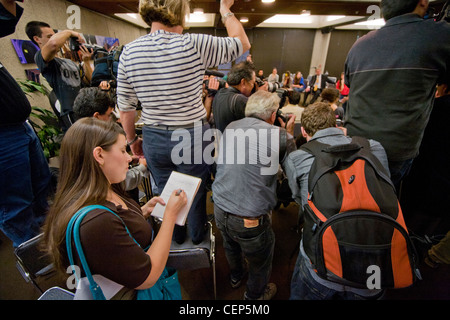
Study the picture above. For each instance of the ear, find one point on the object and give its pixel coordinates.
(37, 39)
(304, 134)
(98, 155)
(96, 114)
(273, 117)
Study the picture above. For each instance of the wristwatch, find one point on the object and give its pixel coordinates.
(226, 16)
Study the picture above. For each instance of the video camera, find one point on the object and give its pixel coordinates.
(219, 75)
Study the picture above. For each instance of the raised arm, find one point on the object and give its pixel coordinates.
(232, 24)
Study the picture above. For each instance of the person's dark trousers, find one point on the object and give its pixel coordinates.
(67, 121)
(158, 145)
(24, 183)
(315, 94)
(399, 170)
(256, 244)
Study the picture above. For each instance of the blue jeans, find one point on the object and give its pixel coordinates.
(305, 287)
(24, 183)
(158, 146)
(399, 170)
(256, 244)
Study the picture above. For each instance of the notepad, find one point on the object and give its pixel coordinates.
(177, 180)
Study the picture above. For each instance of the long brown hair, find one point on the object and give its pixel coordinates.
(81, 181)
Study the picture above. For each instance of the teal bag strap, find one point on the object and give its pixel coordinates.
(73, 228)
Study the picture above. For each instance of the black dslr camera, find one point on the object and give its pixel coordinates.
(74, 45)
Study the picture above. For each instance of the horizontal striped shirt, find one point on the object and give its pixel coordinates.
(164, 71)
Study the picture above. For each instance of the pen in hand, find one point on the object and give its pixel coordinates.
(179, 192)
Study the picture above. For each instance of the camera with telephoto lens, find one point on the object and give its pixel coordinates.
(271, 86)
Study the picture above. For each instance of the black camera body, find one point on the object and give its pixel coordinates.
(74, 45)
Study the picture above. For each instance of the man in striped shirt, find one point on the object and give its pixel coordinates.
(164, 72)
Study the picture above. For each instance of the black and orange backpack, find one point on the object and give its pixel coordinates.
(354, 226)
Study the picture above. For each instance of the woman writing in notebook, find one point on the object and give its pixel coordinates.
(93, 163)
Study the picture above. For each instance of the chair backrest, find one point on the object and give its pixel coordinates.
(32, 263)
(56, 293)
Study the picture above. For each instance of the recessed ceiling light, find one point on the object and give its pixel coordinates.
(267, 1)
(244, 19)
(292, 19)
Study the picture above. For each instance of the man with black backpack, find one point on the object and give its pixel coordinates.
(351, 218)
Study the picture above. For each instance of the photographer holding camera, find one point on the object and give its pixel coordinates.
(63, 75)
(229, 103)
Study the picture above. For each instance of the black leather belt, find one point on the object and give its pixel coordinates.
(184, 126)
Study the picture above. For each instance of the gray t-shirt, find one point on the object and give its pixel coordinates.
(63, 75)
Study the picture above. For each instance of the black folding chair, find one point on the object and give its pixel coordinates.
(189, 256)
(33, 264)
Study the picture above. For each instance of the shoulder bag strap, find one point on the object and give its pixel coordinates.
(73, 229)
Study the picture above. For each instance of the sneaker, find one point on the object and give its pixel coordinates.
(269, 293)
(235, 283)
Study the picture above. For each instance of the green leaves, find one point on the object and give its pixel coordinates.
(48, 128)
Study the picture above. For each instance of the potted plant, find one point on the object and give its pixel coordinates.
(48, 131)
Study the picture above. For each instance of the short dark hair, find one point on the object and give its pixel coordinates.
(394, 8)
(294, 97)
(33, 28)
(329, 95)
(91, 100)
(241, 70)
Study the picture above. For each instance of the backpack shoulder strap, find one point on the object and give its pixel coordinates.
(314, 147)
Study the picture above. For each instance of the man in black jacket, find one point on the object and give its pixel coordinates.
(392, 75)
(229, 103)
